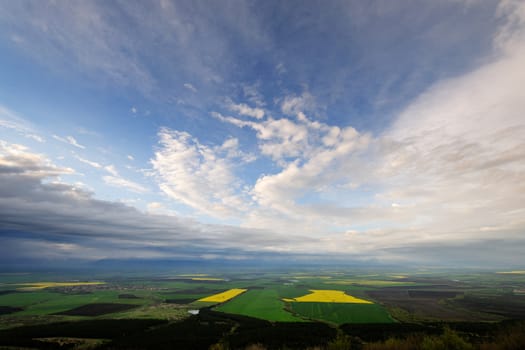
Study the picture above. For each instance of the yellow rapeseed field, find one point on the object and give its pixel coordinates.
(328, 296)
(517, 272)
(43, 285)
(224, 296)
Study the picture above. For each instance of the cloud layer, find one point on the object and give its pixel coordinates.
(420, 164)
(446, 172)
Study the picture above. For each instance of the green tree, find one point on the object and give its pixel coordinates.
(449, 340)
(341, 342)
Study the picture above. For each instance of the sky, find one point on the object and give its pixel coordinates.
(380, 132)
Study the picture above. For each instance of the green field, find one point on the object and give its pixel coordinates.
(340, 313)
(45, 303)
(259, 303)
(411, 297)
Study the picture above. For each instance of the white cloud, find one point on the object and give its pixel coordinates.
(158, 208)
(450, 166)
(457, 153)
(63, 221)
(11, 120)
(115, 179)
(244, 109)
(199, 176)
(285, 140)
(88, 162)
(190, 87)
(447, 172)
(511, 35)
(316, 160)
(17, 159)
(322, 169)
(133, 110)
(252, 94)
(130, 157)
(450, 169)
(111, 169)
(118, 181)
(292, 105)
(35, 137)
(70, 140)
(280, 68)
(155, 206)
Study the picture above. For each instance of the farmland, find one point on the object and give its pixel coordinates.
(259, 303)
(290, 299)
(224, 296)
(44, 285)
(340, 313)
(328, 296)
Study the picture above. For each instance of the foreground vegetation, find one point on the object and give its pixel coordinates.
(215, 330)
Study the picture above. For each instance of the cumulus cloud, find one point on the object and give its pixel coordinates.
(298, 139)
(197, 175)
(318, 161)
(446, 173)
(315, 157)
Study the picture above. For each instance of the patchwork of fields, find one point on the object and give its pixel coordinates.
(335, 298)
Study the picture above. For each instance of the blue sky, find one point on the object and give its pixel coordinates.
(370, 131)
